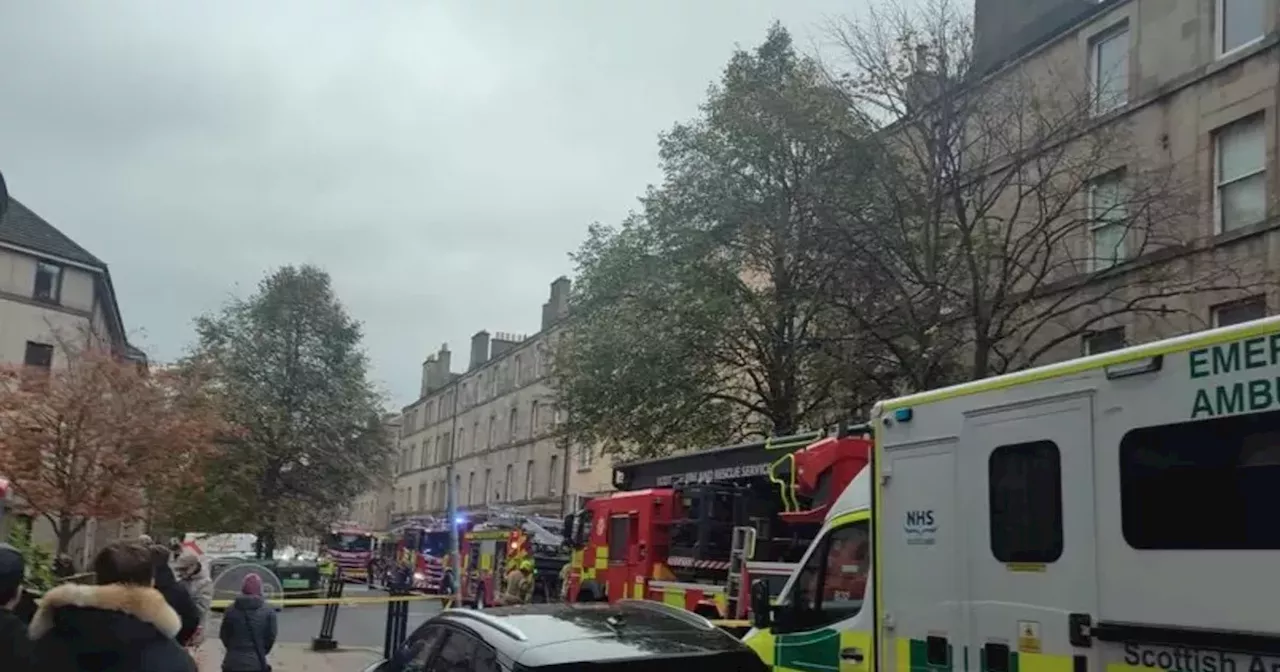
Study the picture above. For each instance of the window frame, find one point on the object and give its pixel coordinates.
(55, 287)
(1046, 556)
(37, 346)
(817, 617)
(1096, 224)
(1118, 31)
(1258, 118)
(1088, 336)
(1220, 30)
(1215, 311)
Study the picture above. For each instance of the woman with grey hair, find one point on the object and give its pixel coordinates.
(192, 576)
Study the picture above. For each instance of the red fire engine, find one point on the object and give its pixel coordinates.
(351, 548)
(696, 529)
(423, 544)
(497, 542)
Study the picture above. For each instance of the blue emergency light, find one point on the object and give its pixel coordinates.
(902, 415)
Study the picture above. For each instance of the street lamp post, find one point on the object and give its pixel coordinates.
(451, 503)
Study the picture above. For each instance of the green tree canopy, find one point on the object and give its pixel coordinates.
(701, 319)
(289, 362)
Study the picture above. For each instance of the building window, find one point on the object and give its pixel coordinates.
(1240, 155)
(475, 435)
(488, 490)
(1243, 310)
(533, 419)
(1109, 69)
(1109, 221)
(1025, 491)
(48, 282)
(518, 373)
(1232, 464)
(513, 423)
(506, 483)
(422, 496)
(1105, 340)
(493, 428)
(530, 478)
(471, 488)
(553, 476)
(38, 355)
(585, 456)
(462, 441)
(1240, 23)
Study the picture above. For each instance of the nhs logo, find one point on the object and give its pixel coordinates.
(920, 528)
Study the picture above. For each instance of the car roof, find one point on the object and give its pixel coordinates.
(539, 635)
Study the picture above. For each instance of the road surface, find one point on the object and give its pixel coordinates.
(358, 625)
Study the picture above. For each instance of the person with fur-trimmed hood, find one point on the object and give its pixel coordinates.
(121, 624)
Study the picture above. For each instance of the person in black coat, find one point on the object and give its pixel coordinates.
(175, 594)
(15, 648)
(120, 625)
(248, 630)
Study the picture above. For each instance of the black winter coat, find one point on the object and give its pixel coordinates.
(179, 598)
(15, 648)
(113, 628)
(248, 622)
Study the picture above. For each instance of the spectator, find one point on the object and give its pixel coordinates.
(120, 625)
(248, 630)
(175, 594)
(15, 648)
(192, 577)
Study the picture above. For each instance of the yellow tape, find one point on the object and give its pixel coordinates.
(731, 624)
(321, 601)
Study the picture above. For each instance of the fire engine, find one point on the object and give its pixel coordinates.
(423, 544)
(496, 541)
(695, 530)
(351, 548)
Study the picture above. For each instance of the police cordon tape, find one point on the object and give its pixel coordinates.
(447, 601)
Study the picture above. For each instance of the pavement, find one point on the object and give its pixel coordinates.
(359, 632)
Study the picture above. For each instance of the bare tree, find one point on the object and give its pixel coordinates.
(1014, 211)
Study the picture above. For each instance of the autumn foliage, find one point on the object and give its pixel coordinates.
(102, 438)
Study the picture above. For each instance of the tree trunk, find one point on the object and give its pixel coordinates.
(65, 531)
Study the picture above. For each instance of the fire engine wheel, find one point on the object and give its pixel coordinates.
(590, 591)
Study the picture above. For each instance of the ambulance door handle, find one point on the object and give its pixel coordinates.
(852, 653)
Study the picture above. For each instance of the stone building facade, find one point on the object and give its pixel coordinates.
(494, 424)
(1196, 83)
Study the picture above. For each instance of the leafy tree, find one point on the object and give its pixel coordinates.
(288, 363)
(700, 319)
(1011, 216)
(37, 558)
(87, 440)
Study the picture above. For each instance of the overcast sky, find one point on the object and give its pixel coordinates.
(439, 158)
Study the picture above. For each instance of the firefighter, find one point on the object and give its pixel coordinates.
(564, 581)
(519, 585)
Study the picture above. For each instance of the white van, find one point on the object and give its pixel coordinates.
(1116, 512)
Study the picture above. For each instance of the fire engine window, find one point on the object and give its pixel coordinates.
(619, 526)
(1025, 492)
(834, 578)
(1206, 484)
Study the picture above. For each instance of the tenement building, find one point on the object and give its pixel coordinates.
(1192, 86)
(495, 424)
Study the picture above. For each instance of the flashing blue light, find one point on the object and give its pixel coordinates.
(902, 415)
(459, 520)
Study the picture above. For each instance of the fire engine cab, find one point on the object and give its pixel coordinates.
(695, 530)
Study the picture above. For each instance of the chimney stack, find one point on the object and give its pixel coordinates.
(479, 349)
(559, 302)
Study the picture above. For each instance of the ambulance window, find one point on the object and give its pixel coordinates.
(1025, 490)
(834, 578)
(1175, 479)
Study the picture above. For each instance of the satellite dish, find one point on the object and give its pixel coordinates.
(226, 586)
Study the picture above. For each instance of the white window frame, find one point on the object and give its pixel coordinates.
(1095, 263)
(1259, 119)
(1118, 31)
(1215, 312)
(1220, 30)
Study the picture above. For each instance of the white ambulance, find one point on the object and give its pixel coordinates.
(1115, 513)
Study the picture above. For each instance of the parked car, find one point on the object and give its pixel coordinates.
(626, 636)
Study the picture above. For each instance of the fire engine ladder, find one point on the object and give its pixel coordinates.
(742, 549)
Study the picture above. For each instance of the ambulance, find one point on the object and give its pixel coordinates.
(1119, 512)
